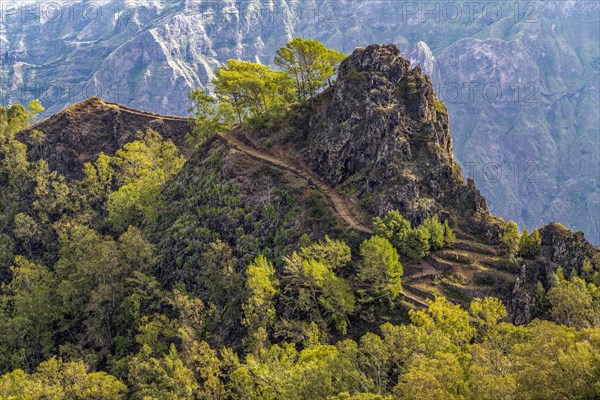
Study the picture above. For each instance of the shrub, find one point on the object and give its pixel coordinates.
(436, 232)
(416, 244)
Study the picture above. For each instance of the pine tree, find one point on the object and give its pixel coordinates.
(310, 65)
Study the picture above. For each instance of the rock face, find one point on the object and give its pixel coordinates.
(561, 247)
(381, 135)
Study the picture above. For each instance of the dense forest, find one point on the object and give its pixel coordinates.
(112, 289)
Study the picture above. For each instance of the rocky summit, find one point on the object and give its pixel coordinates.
(381, 135)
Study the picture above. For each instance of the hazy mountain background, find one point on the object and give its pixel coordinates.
(521, 80)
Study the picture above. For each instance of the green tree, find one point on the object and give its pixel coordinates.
(310, 65)
(375, 360)
(441, 377)
(16, 118)
(449, 236)
(220, 285)
(436, 232)
(448, 318)
(557, 362)
(487, 313)
(141, 169)
(380, 270)
(574, 302)
(509, 239)
(393, 226)
(208, 371)
(55, 379)
(262, 286)
(28, 314)
(210, 117)
(161, 378)
(334, 254)
(316, 290)
(251, 89)
(27, 230)
(93, 271)
(530, 246)
(416, 243)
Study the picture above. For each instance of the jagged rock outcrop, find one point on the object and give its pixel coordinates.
(422, 55)
(381, 134)
(561, 247)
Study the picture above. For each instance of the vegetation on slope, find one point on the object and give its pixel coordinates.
(152, 277)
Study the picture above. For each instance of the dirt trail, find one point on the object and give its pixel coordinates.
(342, 206)
(126, 109)
(414, 298)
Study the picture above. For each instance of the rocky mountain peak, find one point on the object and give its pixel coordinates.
(381, 134)
(376, 58)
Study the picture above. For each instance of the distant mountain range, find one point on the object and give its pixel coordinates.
(520, 79)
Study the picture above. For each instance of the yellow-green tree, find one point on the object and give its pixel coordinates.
(530, 245)
(55, 379)
(436, 232)
(251, 89)
(17, 117)
(574, 302)
(380, 270)
(317, 291)
(261, 286)
(509, 239)
(140, 168)
(334, 254)
(209, 115)
(28, 313)
(393, 226)
(309, 64)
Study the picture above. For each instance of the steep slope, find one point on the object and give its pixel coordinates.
(343, 207)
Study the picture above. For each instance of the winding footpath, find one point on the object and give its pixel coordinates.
(343, 207)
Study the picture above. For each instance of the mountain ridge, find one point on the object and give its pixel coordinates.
(378, 136)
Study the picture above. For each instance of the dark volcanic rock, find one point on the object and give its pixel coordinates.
(380, 132)
(561, 247)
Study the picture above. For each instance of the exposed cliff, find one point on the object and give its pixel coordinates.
(561, 247)
(381, 135)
